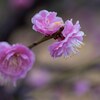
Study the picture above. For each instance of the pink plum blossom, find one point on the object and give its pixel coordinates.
(46, 22)
(71, 40)
(15, 61)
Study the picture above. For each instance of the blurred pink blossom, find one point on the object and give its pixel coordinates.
(38, 78)
(15, 62)
(69, 42)
(81, 87)
(21, 4)
(46, 22)
(96, 92)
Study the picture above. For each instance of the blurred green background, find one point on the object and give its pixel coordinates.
(74, 78)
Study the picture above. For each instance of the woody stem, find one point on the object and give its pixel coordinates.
(45, 38)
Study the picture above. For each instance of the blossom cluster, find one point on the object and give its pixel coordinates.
(16, 60)
(69, 40)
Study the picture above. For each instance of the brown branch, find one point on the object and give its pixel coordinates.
(55, 35)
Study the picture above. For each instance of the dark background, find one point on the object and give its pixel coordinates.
(71, 78)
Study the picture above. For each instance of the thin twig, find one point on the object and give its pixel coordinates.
(46, 38)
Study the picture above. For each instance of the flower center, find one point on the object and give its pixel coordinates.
(14, 61)
(58, 23)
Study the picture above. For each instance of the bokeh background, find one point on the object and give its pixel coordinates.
(74, 78)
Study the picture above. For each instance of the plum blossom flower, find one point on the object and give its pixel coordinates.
(46, 22)
(15, 61)
(69, 42)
